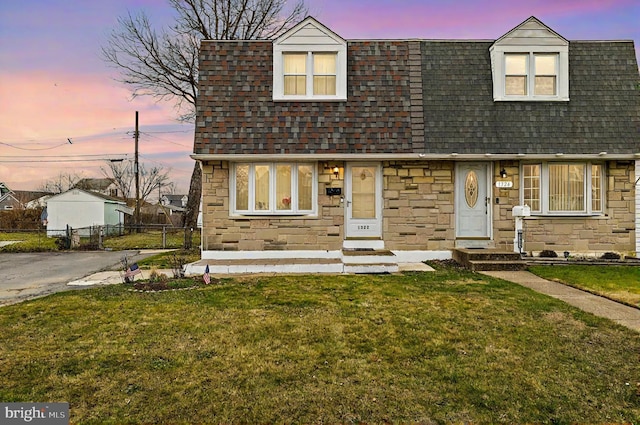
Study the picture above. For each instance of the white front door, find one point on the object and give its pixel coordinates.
(473, 202)
(363, 201)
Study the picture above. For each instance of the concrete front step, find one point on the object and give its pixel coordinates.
(488, 259)
(489, 265)
(355, 262)
(369, 261)
(368, 257)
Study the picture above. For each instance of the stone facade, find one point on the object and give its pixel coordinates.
(223, 232)
(612, 232)
(418, 209)
(419, 215)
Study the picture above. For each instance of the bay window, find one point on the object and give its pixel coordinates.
(273, 188)
(556, 188)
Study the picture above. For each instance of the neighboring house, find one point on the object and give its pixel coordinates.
(8, 200)
(32, 199)
(20, 199)
(174, 203)
(105, 186)
(312, 145)
(81, 209)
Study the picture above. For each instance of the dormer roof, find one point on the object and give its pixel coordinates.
(309, 32)
(531, 32)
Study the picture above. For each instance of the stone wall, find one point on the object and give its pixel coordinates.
(418, 213)
(225, 233)
(615, 231)
(418, 205)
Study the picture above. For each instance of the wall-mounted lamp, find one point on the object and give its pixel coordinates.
(503, 173)
(336, 172)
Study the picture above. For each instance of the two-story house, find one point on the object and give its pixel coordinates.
(313, 146)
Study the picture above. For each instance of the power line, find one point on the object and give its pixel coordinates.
(165, 140)
(57, 160)
(33, 149)
(67, 156)
(43, 140)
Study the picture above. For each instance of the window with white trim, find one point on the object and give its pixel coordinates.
(530, 63)
(299, 80)
(309, 64)
(563, 188)
(312, 75)
(274, 189)
(530, 74)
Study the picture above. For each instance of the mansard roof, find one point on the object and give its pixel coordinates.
(418, 97)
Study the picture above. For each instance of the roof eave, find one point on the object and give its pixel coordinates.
(412, 156)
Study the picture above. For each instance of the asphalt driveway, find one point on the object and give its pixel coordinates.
(32, 275)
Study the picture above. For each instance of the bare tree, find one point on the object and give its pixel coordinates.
(123, 177)
(163, 63)
(61, 183)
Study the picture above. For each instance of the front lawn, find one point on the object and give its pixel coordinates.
(32, 241)
(27, 241)
(440, 347)
(620, 283)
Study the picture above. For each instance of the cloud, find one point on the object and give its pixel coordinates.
(43, 110)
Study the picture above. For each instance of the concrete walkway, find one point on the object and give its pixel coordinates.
(599, 306)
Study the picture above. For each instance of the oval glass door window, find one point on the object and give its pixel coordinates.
(471, 189)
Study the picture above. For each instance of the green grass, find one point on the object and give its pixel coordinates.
(443, 347)
(29, 242)
(150, 240)
(167, 260)
(620, 283)
(38, 241)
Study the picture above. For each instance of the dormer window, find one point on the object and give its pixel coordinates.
(324, 73)
(530, 63)
(298, 81)
(295, 74)
(535, 73)
(309, 64)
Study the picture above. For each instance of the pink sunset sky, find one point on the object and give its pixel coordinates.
(54, 86)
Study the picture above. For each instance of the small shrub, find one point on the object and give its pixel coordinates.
(63, 243)
(610, 256)
(547, 253)
(154, 276)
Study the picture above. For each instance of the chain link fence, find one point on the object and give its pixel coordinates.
(116, 237)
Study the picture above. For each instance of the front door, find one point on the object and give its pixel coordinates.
(473, 203)
(363, 201)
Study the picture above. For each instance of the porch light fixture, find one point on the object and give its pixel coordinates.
(503, 173)
(336, 172)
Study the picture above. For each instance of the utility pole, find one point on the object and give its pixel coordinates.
(137, 176)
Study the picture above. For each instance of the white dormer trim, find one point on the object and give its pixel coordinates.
(530, 38)
(309, 37)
